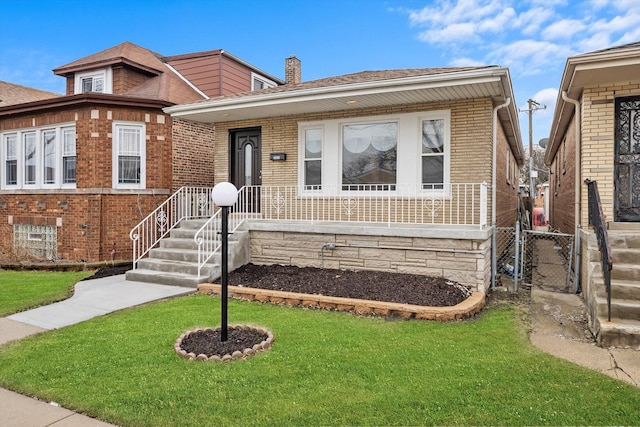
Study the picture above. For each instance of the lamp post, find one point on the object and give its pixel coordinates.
(224, 194)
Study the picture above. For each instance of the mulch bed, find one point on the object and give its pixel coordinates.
(367, 284)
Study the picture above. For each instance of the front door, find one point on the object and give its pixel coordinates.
(627, 160)
(246, 164)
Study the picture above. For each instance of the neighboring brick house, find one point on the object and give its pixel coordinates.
(79, 171)
(595, 135)
(411, 150)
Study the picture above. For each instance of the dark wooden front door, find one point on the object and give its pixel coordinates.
(627, 160)
(246, 164)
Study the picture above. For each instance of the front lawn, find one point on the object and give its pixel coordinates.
(325, 368)
(22, 290)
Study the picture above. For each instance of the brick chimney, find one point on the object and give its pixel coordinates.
(292, 70)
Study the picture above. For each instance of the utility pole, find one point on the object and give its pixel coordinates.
(533, 106)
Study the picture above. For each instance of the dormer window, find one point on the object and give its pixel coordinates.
(96, 81)
(260, 82)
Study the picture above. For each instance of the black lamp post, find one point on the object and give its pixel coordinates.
(224, 194)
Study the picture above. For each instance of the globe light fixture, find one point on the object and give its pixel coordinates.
(224, 195)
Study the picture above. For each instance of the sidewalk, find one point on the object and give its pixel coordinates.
(91, 298)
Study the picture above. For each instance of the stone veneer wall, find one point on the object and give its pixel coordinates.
(464, 257)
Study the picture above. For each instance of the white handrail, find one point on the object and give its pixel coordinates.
(187, 202)
(208, 236)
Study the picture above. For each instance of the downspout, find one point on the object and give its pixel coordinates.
(578, 188)
(494, 269)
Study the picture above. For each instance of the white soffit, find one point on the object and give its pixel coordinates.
(338, 99)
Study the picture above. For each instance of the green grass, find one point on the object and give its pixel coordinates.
(325, 368)
(22, 290)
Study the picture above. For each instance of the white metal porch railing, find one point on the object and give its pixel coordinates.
(461, 204)
(186, 203)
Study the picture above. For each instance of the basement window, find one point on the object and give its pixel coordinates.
(39, 241)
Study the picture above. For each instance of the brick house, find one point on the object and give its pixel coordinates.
(595, 135)
(78, 171)
(398, 170)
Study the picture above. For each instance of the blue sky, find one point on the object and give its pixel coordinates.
(331, 37)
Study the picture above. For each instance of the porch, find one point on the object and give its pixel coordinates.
(432, 231)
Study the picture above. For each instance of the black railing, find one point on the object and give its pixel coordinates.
(596, 220)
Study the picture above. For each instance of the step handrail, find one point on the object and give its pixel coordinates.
(208, 237)
(597, 221)
(185, 203)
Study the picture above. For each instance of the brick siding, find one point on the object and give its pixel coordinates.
(94, 218)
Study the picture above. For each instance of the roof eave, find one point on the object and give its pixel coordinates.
(82, 99)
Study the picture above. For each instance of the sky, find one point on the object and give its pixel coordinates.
(533, 38)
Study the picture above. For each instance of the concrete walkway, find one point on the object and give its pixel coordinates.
(91, 298)
(558, 327)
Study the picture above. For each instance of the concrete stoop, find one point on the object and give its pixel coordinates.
(624, 328)
(175, 260)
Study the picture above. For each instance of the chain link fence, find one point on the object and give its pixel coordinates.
(533, 258)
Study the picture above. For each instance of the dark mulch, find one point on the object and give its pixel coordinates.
(110, 271)
(209, 342)
(369, 285)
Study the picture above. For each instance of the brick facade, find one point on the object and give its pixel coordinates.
(193, 154)
(471, 146)
(562, 184)
(95, 219)
(597, 135)
(507, 182)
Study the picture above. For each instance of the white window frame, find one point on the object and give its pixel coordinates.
(105, 73)
(115, 154)
(409, 153)
(302, 150)
(39, 183)
(267, 83)
(6, 158)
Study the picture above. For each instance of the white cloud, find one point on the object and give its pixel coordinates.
(451, 34)
(531, 20)
(530, 56)
(548, 97)
(563, 29)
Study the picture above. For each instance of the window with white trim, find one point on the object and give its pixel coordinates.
(261, 82)
(433, 146)
(69, 156)
(36, 158)
(405, 152)
(129, 146)
(11, 159)
(312, 158)
(97, 81)
(369, 156)
(508, 167)
(29, 149)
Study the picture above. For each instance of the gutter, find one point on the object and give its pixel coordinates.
(494, 267)
(578, 177)
(578, 194)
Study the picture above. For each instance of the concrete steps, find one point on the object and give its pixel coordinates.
(624, 328)
(175, 260)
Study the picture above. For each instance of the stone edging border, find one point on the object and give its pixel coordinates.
(236, 355)
(466, 309)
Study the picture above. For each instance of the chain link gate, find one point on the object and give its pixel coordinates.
(534, 258)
